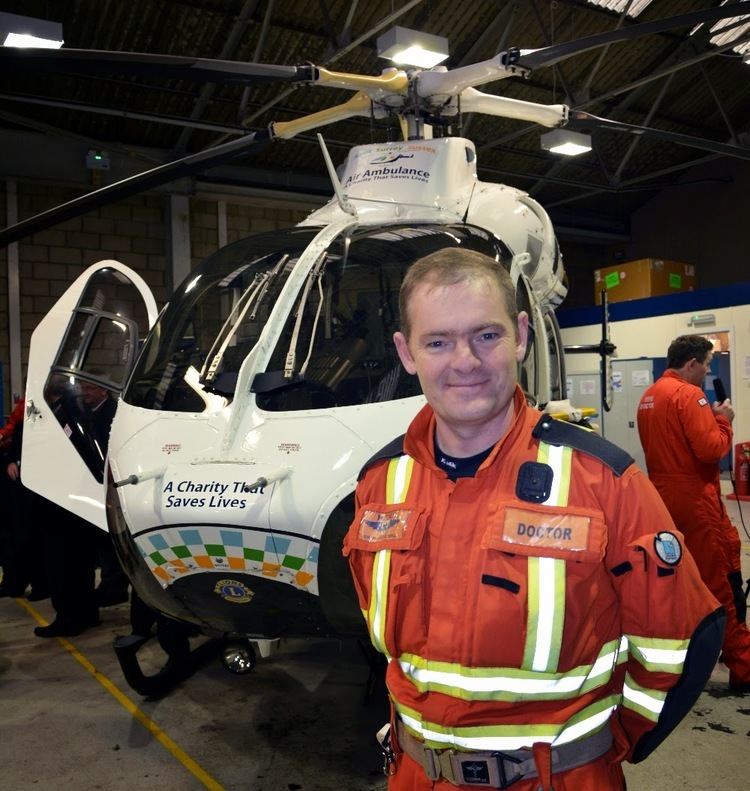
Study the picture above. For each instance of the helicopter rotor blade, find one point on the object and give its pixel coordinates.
(520, 63)
(581, 121)
(98, 62)
(359, 104)
(555, 53)
(149, 179)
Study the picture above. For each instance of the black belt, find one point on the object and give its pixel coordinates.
(499, 769)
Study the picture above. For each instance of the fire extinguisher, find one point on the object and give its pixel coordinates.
(743, 472)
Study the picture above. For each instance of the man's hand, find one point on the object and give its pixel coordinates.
(724, 409)
(12, 471)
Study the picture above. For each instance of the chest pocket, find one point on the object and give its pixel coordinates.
(562, 547)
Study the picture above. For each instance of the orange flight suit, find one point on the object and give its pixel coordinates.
(516, 618)
(683, 441)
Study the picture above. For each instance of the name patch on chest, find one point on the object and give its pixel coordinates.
(379, 526)
(551, 531)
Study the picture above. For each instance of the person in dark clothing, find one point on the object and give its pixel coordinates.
(20, 568)
(70, 545)
(100, 407)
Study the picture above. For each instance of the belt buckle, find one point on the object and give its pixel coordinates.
(488, 771)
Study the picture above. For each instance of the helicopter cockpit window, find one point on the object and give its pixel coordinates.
(336, 348)
(193, 356)
(93, 362)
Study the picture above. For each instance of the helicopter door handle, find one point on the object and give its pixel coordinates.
(272, 477)
(144, 476)
(32, 411)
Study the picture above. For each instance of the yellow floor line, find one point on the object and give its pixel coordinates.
(169, 744)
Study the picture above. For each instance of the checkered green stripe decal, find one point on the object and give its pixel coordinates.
(172, 553)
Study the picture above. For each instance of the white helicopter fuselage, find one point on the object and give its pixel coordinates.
(234, 499)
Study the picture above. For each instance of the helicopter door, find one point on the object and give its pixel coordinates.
(81, 355)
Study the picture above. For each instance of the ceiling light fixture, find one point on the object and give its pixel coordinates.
(26, 31)
(412, 47)
(567, 142)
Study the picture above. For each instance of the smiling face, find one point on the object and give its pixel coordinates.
(464, 347)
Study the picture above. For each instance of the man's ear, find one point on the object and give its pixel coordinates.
(402, 347)
(522, 335)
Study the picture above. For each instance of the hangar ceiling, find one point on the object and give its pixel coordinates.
(684, 80)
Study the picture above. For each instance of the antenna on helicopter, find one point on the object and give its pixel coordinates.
(343, 201)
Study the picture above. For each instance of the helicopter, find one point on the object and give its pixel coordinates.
(246, 407)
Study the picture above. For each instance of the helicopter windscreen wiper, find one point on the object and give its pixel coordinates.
(252, 297)
(316, 273)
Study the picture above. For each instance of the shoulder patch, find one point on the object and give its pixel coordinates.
(560, 432)
(390, 451)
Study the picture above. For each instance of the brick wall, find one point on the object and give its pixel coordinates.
(243, 218)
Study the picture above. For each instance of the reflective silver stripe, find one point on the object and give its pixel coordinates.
(647, 702)
(508, 684)
(510, 737)
(659, 654)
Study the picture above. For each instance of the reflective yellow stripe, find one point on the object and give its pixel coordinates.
(658, 654)
(509, 737)
(398, 479)
(509, 684)
(546, 577)
(647, 702)
(546, 613)
(559, 458)
(376, 615)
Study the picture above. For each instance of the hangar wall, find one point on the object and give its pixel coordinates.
(700, 220)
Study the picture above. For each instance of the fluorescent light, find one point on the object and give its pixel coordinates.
(412, 47)
(567, 142)
(26, 31)
(635, 7)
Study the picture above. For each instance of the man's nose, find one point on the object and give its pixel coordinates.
(465, 357)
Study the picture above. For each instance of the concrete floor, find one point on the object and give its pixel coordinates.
(298, 722)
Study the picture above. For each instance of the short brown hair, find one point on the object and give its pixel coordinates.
(453, 265)
(687, 347)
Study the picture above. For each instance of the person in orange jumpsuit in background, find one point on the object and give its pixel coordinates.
(541, 618)
(684, 437)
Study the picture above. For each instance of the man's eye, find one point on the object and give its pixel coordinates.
(489, 336)
(435, 344)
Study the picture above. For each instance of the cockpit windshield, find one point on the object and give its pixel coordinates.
(195, 350)
(335, 347)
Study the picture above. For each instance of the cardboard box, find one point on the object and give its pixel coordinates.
(646, 277)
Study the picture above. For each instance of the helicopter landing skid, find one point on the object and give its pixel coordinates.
(181, 663)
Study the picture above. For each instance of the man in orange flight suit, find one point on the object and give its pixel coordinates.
(684, 437)
(541, 619)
